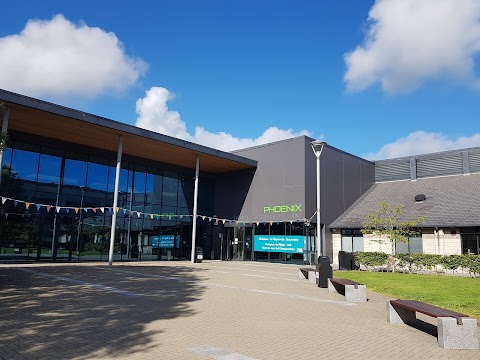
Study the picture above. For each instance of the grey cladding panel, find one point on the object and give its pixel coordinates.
(447, 165)
(474, 160)
(392, 170)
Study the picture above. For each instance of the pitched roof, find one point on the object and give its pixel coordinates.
(451, 201)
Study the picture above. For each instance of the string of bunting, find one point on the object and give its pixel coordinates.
(139, 214)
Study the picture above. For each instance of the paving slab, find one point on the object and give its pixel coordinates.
(211, 310)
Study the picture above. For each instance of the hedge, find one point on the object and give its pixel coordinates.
(414, 263)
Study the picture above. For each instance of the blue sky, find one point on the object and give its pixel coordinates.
(378, 79)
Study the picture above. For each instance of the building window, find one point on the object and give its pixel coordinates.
(413, 246)
(352, 241)
(471, 244)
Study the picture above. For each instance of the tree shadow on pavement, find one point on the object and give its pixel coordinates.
(67, 312)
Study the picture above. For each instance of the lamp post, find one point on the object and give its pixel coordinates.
(80, 220)
(317, 147)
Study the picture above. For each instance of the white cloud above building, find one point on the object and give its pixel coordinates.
(154, 115)
(60, 59)
(409, 42)
(422, 142)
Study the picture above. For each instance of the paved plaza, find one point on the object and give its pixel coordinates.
(212, 310)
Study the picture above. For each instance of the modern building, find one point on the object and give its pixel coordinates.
(61, 199)
(443, 187)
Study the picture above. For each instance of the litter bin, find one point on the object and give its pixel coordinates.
(346, 261)
(198, 254)
(324, 271)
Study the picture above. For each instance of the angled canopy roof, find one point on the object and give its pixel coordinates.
(45, 119)
(451, 201)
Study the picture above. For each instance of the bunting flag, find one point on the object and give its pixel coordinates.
(139, 214)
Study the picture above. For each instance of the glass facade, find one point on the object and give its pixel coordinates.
(239, 242)
(58, 205)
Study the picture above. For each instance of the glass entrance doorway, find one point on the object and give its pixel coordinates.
(237, 243)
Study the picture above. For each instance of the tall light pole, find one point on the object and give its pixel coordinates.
(317, 147)
(80, 220)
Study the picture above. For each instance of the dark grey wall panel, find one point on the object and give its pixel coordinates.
(231, 191)
(278, 181)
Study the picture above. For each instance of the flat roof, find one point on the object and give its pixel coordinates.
(57, 122)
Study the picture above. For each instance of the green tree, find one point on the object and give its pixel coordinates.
(387, 221)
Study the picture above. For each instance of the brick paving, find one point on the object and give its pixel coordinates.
(178, 310)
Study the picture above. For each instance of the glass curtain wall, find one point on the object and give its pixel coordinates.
(307, 232)
(58, 205)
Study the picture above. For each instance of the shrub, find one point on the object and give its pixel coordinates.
(370, 259)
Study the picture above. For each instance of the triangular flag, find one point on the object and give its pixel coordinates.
(76, 210)
(203, 217)
(85, 209)
(6, 215)
(94, 210)
(102, 209)
(57, 208)
(181, 216)
(138, 213)
(38, 206)
(209, 219)
(236, 222)
(124, 211)
(3, 200)
(15, 202)
(258, 223)
(68, 209)
(271, 223)
(27, 205)
(131, 213)
(48, 208)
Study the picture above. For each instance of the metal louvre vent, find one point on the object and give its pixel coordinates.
(447, 165)
(474, 160)
(392, 171)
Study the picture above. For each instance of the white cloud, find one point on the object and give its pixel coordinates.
(153, 114)
(410, 41)
(422, 142)
(59, 59)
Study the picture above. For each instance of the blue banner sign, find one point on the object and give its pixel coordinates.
(279, 243)
(164, 241)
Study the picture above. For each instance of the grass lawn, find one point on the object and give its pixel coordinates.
(450, 292)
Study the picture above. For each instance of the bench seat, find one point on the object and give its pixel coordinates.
(454, 330)
(308, 273)
(353, 291)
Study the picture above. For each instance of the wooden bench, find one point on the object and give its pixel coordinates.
(307, 273)
(454, 330)
(353, 291)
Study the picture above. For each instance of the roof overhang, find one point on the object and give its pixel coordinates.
(33, 116)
